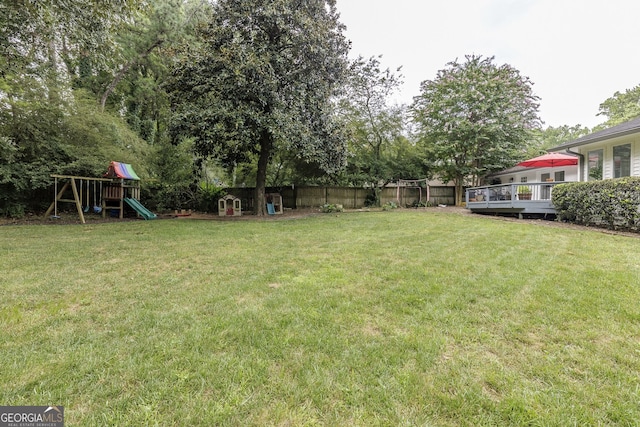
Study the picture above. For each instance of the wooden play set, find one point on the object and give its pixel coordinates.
(118, 187)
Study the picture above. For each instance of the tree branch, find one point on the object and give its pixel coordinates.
(125, 69)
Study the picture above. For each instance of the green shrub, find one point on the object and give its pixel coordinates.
(524, 189)
(389, 205)
(15, 211)
(175, 176)
(208, 196)
(613, 203)
(329, 208)
(371, 199)
(169, 196)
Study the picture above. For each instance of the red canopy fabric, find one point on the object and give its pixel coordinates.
(550, 160)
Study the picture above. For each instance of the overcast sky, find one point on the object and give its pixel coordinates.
(577, 53)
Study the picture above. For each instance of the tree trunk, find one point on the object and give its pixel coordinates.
(52, 76)
(261, 177)
(459, 183)
(119, 76)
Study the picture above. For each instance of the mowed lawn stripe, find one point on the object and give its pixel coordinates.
(378, 318)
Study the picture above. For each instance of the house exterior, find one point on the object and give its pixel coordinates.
(521, 174)
(609, 153)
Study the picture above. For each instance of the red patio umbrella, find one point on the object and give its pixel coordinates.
(550, 160)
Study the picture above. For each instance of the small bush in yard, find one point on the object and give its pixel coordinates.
(329, 208)
(389, 205)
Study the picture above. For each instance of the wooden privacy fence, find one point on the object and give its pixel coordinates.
(348, 197)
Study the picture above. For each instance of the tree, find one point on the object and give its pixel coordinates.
(474, 118)
(376, 136)
(260, 81)
(543, 139)
(621, 107)
(37, 36)
(40, 42)
(165, 23)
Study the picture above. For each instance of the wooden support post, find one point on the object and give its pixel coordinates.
(122, 198)
(77, 200)
(57, 198)
(103, 199)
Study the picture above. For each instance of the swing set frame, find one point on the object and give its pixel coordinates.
(77, 197)
(418, 184)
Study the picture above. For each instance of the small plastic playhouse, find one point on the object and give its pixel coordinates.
(274, 203)
(229, 205)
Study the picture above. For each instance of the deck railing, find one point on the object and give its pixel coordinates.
(531, 191)
(529, 197)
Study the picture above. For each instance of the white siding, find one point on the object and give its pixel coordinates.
(607, 168)
(534, 174)
(635, 157)
(571, 173)
(607, 147)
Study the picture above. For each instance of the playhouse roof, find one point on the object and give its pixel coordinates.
(121, 170)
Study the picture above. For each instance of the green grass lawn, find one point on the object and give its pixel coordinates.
(380, 318)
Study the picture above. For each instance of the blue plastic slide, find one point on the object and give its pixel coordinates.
(271, 210)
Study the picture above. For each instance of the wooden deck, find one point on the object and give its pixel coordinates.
(510, 199)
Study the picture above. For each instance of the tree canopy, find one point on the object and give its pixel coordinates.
(379, 150)
(621, 107)
(544, 139)
(41, 45)
(261, 80)
(475, 118)
(250, 92)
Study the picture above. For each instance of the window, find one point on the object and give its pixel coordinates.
(558, 176)
(595, 165)
(622, 160)
(545, 177)
(523, 179)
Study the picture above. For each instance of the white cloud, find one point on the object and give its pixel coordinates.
(577, 53)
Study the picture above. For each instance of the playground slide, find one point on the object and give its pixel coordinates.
(137, 206)
(271, 210)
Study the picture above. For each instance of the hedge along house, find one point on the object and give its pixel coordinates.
(609, 153)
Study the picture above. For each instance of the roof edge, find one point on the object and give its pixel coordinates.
(623, 129)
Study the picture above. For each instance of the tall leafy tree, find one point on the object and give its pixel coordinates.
(40, 43)
(377, 127)
(621, 107)
(137, 87)
(164, 24)
(260, 81)
(48, 38)
(475, 118)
